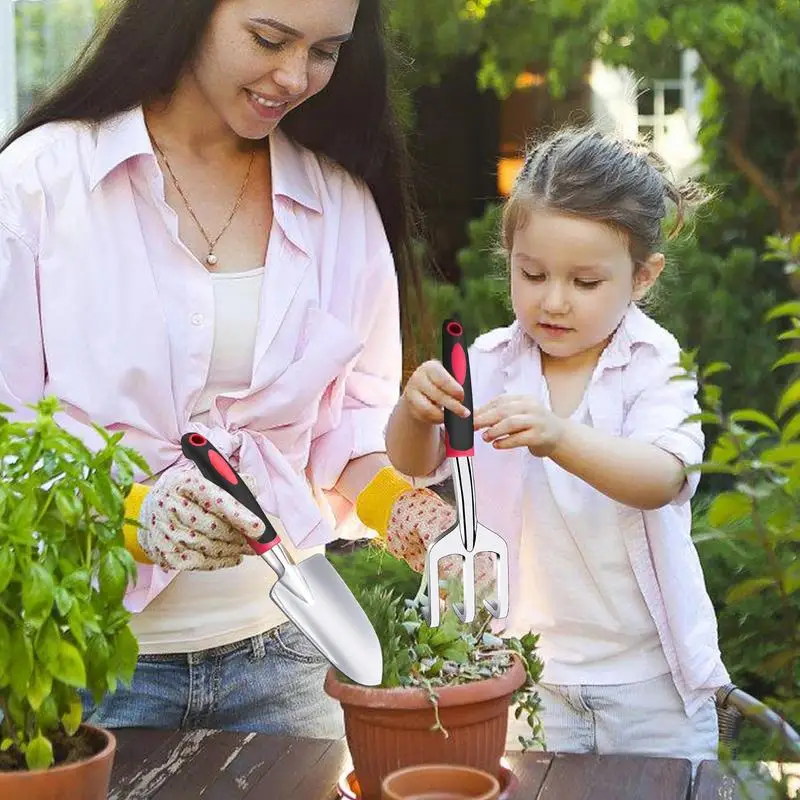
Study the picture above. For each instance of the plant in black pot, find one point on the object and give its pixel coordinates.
(64, 570)
(445, 691)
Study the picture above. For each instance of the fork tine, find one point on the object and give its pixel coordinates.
(432, 568)
(437, 551)
(499, 608)
(490, 542)
(465, 610)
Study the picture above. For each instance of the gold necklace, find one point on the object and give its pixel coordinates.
(211, 258)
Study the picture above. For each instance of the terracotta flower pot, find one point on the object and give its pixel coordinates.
(443, 781)
(388, 729)
(81, 780)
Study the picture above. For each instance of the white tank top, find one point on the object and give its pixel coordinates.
(201, 610)
(578, 589)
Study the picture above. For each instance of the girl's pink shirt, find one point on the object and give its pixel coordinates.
(631, 394)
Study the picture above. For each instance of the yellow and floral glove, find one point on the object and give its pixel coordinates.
(189, 523)
(133, 505)
(409, 520)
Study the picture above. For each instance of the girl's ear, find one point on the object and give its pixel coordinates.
(647, 274)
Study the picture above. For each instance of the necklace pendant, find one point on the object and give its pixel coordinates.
(211, 259)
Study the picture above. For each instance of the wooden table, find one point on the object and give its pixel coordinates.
(216, 765)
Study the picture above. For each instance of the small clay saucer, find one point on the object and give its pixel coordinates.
(349, 790)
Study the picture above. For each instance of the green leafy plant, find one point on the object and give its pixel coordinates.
(747, 51)
(369, 563)
(416, 655)
(64, 570)
(755, 520)
(785, 249)
(481, 299)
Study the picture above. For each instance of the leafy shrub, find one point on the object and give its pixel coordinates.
(748, 534)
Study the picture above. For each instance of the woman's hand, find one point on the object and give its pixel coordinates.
(418, 517)
(519, 421)
(190, 523)
(431, 389)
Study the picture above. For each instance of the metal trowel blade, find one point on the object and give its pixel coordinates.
(332, 620)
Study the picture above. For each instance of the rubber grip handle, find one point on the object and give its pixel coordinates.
(459, 431)
(216, 468)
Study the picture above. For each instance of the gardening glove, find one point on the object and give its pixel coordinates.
(133, 506)
(409, 520)
(189, 523)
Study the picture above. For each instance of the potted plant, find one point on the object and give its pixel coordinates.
(445, 691)
(63, 626)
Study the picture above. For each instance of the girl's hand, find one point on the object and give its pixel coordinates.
(430, 390)
(519, 421)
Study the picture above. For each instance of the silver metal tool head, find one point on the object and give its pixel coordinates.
(314, 596)
(451, 543)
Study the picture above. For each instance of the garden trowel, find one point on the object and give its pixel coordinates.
(311, 594)
(467, 537)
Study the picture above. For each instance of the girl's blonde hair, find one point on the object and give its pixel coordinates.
(587, 173)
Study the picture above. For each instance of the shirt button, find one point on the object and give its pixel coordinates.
(197, 319)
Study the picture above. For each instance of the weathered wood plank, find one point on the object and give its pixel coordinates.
(214, 765)
(285, 775)
(195, 778)
(168, 760)
(530, 770)
(320, 779)
(580, 777)
(256, 757)
(136, 747)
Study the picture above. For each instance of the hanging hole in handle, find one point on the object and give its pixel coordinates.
(197, 440)
(454, 328)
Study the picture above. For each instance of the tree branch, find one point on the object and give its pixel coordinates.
(791, 170)
(753, 173)
(735, 141)
(791, 191)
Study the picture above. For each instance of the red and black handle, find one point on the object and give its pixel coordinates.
(459, 431)
(215, 468)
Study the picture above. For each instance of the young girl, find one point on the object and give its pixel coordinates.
(580, 450)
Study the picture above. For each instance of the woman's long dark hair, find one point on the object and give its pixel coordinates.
(138, 55)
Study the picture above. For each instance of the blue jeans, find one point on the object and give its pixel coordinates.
(271, 683)
(645, 718)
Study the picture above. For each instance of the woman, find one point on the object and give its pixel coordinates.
(206, 228)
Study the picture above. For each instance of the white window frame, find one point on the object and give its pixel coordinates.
(657, 121)
(615, 109)
(689, 100)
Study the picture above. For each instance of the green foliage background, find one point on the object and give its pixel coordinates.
(718, 285)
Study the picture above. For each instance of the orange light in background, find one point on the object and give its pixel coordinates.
(527, 80)
(507, 169)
